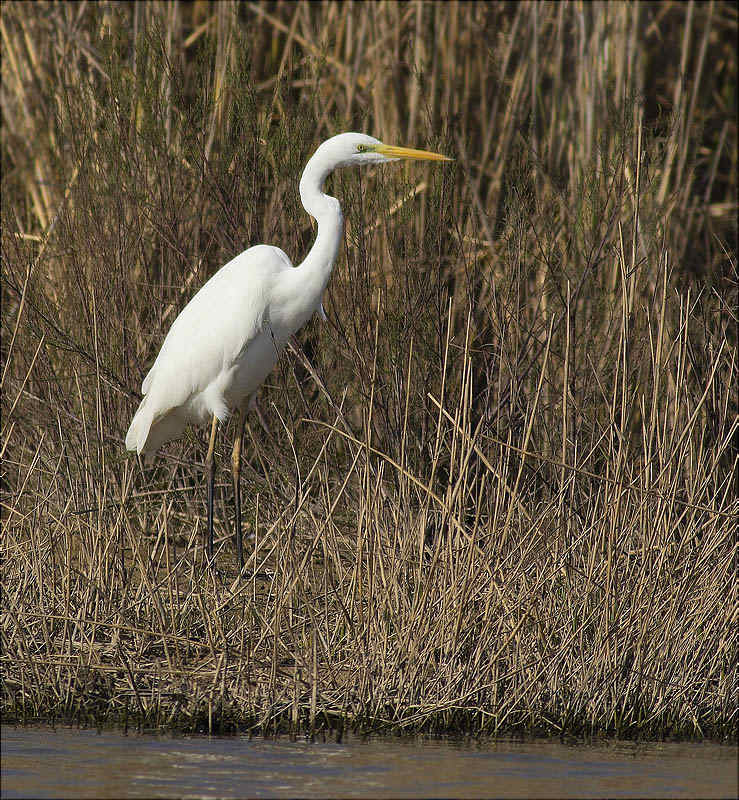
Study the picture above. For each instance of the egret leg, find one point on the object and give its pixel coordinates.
(210, 463)
(236, 472)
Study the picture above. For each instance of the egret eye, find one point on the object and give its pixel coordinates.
(361, 148)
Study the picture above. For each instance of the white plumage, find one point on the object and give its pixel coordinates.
(218, 351)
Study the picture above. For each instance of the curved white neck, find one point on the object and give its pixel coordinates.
(299, 290)
(327, 212)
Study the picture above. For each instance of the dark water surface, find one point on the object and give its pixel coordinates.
(41, 762)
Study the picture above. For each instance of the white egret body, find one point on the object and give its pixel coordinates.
(228, 338)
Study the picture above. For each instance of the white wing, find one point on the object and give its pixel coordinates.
(220, 321)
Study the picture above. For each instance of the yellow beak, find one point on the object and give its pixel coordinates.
(407, 152)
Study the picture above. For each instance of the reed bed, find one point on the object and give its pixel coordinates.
(497, 491)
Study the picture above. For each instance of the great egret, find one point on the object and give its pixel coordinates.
(228, 338)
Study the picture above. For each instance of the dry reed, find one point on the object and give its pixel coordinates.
(497, 492)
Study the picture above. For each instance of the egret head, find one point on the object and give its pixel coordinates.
(351, 149)
(347, 150)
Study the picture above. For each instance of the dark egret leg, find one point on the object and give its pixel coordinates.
(210, 463)
(236, 472)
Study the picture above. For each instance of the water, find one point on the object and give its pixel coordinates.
(41, 762)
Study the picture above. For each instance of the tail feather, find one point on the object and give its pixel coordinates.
(146, 434)
(138, 430)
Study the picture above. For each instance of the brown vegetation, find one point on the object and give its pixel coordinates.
(497, 491)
